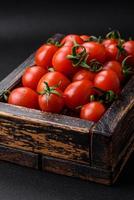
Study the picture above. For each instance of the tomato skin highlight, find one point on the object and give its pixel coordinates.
(84, 37)
(116, 67)
(96, 51)
(84, 74)
(53, 78)
(129, 49)
(32, 75)
(61, 63)
(108, 42)
(43, 56)
(70, 39)
(77, 93)
(52, 103)
(107, 80)
(92, 111)
(24, 96)
(112, 53)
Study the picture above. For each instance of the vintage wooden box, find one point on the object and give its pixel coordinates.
(68, 145)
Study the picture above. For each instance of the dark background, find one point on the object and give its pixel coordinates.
(24, 26)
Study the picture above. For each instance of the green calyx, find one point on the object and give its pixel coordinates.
(50, 90)
(95, 66)
(4, 95)
(52, 41)
(79, 59)
(94, 39)
(106, 97)
(127, 70)
(113, 35)
(121, 50)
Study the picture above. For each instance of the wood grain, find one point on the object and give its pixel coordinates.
(73, 169)
(16, 156)
(45, 133)
(114, 130)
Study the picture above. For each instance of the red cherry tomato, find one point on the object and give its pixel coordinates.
(24, 96)
(129, 48)
(77, 93)
(116, 67)
(84, 37)
(112, 53)
(32, 75)
(108, 42)
(53, 78)
(96, 51)
(92, 111)
(84, 74)
(61, 63)
(69, 40)
(43, 56)
(107, 80)
(53, 102)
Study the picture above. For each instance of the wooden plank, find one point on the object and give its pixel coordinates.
(16, 156)
(49, 134)
(73, 169)
(123, 158)
(116, 126)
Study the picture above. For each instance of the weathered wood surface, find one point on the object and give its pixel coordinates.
(49, 134)
(19, 157)
(73, 169)
(123, 158)
(63, 167)
(112, 133)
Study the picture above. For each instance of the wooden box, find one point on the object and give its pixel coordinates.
(67, 145)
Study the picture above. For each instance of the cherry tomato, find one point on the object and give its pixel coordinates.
(96, 51)
(69, 40)
(24, 96)
(84, 74)
(77, 93)
(61, 63)
(53, 78)
(32, 75)
(112, 53)
(43, 56)
(129, 48)
(116, 67)
(52, 101)
(107, 80)
(92, 111)
(108, 42)
(84, 37)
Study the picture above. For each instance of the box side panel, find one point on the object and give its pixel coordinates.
(19, 157)
(111, 135)
(29, 130)
(68, 168)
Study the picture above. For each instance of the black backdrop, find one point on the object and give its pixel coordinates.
(23, 27)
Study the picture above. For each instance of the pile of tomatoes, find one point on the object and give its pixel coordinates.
(81, 73)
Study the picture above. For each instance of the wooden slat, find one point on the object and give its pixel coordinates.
(19, 157)
(72, 169)
(49, 134)
(114, 130)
